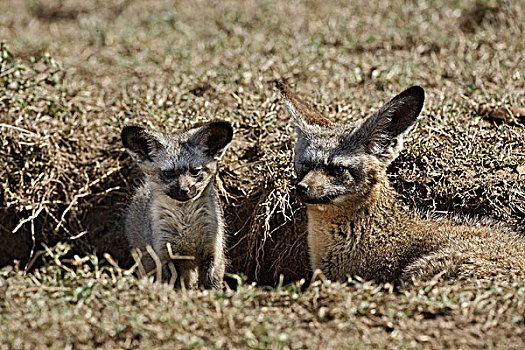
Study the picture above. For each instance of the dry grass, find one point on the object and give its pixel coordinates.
(92, 306)
(71, 75)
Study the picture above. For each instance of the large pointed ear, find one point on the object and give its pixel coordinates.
(382, 133)
(140, 143)
(213, 138)
(304, 114)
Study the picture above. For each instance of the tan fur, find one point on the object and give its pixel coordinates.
(307, 111)
(384, 241)
(356, 224)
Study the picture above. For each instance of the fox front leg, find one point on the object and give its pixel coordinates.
(211, 273)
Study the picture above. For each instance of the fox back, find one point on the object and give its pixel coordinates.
(357, 227)
(176, 208)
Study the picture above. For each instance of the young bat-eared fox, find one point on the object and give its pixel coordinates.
(176, 210)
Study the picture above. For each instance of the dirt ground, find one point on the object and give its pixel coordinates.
(72, 74)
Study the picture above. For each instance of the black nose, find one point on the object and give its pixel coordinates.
(182, 194)
(302, 188)
(188, 191)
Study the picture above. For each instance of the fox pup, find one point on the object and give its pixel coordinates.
(177, 204)
(357, 227)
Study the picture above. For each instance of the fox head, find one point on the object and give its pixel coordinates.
(181, 165)
(339, 164)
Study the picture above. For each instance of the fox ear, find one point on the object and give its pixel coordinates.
(213, 138)
(382, 133)
(304, 114)
(140, 143)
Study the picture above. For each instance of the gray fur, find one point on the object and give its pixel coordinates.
(177, 202)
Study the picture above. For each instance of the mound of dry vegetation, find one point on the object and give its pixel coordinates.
(65, 177)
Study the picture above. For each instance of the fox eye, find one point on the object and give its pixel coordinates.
(337, 170)
(195, 171)
(306, 166)
(168, 174)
